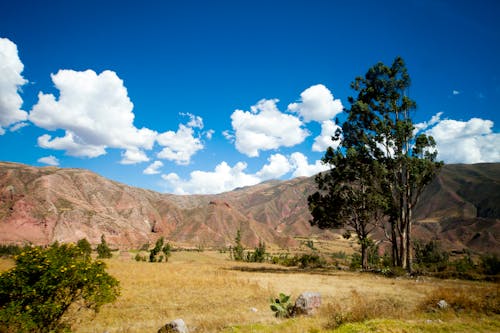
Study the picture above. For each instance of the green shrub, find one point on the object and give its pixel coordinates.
(238, 251)
(48, 286)
(103, 250)
(139, 257)
(429, 257)
(312, 260)
(259, 255)
(490, 264)
(84, 245)
(154, 254)
(9, 250)
(281, 306)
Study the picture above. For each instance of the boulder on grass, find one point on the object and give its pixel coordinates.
(307, 303)
(176, 326)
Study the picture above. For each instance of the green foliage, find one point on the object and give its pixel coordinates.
(281, 306)
(84, 245)
(103, 250)
(139, 257)
(490, 264)
(160, 247)
(238, 251)
(9, 250)
(380, 166)
(430, 257)
(48, 286)
(312, 260)
(259, 255)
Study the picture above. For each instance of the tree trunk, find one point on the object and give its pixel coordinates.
(408, 241)
(364, 255)
(394, 240)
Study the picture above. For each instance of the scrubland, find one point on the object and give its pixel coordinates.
(214, 294)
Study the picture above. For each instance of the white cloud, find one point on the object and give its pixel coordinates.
(153, 168)
(456, 92)
(49, 160)
(95, 112)
(226, 178)
(194, 121)
(133, 156)
(265, 128)
(303, 168)
(179, 146)
(324, 140)
(426, 124)
(222, 179)
(209, 134)
(71, 145)
(471, 141)
(277, 167)
(18, 126)
(11, 80)
(317, 104)
(228, 135)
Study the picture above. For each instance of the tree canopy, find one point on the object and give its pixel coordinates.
(381, 165)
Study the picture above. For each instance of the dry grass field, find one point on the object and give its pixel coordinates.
(213, 294)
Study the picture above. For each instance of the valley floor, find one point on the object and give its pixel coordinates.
(213, 294)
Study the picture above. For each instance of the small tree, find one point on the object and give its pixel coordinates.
(259, 254)
(84, 245)
(238, 250)
(49, 286)
(103, 250)
(159, 247)
(167, 251)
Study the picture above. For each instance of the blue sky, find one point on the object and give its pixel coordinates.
(206, 96)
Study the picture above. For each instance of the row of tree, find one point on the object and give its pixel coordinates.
(380, 166)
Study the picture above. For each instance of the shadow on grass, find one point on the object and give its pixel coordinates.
(285, 270)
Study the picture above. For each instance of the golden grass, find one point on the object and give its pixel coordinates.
(6, 264)
(213, 294)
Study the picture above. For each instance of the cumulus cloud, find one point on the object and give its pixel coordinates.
(179, 146)
(324, 140)
(222, 179)
(317, 104)
(302, 167)
(11, 81)
(456, 92)
(264, 127)
(471, 141)
(226, 178)
(72, 145)
(133, 156)
(49, 160)
(95, 112)
(278, 166)
(153, 168)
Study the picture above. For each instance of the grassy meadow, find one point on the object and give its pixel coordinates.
(214, 294)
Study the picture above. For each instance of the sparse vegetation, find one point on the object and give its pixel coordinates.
(201, 286)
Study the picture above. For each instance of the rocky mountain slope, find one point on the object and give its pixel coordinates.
(41, 205)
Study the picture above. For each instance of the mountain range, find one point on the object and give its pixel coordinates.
(40, 205)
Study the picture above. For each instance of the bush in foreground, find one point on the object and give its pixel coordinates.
(48, 286)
